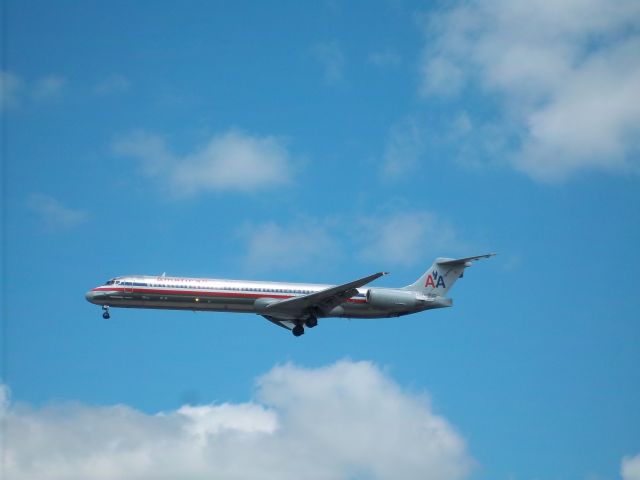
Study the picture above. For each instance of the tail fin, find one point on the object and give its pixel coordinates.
(442, 275)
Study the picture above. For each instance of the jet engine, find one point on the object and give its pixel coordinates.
(391, 299)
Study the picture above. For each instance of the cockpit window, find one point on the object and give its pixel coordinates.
(110, 282)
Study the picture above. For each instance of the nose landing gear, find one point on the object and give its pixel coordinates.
(105, 312)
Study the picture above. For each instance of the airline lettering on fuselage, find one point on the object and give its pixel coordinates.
(434, 280)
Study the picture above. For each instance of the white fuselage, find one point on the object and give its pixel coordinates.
(179, 293)
(294, 306)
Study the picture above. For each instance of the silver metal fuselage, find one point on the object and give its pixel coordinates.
(218, 295)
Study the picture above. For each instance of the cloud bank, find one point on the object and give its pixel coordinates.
(230, 161)
(346, 420)
(305, 243)
(390, 238)
(565, 74)
(630, 469)
(14, 90)
(408, 236)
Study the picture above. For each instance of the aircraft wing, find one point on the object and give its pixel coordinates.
(281, 322)
(324, 300)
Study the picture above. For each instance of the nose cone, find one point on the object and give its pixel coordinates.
(90, 295)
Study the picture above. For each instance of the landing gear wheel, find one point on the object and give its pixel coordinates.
(311, 322)
(298, 330)
(105, 313)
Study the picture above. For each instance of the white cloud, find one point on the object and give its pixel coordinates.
(49, 87)
(150, 150)
(406, 237)
(235, 161)
(13, 89)
(331, 57)
(345, 420)
(231, 161)
(566, 73)
(399, 237)
(440, 76)
(114, 83)
(53, 214)
(301, 244)
(406, 145)
(630, 469)
(5, 393)
(10, 87)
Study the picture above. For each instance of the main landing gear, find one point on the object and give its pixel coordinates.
(299, 328)
(105, 312)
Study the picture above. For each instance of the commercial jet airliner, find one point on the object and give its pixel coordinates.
(293, 306)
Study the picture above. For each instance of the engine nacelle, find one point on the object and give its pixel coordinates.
(391, 299)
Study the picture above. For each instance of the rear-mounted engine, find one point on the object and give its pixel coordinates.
(393, 299)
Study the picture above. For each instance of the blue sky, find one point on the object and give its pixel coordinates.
(323, 142)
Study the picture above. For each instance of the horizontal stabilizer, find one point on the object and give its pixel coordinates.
(464, 261)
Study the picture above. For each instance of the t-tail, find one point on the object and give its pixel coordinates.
(444, 272)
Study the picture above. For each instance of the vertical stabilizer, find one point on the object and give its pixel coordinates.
(441, 276)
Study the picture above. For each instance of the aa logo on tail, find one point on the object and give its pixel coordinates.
(435, 280)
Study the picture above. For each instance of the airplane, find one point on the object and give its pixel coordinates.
(293, 306)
